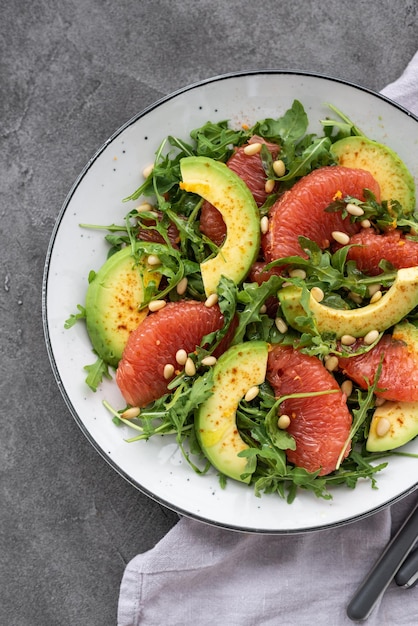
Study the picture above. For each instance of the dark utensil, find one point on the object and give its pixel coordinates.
(407, 575)
(381, 574)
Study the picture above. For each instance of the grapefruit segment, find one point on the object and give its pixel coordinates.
(369, 248)
(154, 344)
(320, 425)
(301, 210)
(399, 375)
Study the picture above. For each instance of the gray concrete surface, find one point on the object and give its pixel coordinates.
(71, 72)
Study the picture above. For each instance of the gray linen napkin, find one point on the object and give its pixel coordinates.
(202, 575)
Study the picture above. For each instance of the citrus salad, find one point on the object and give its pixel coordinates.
(259, 304)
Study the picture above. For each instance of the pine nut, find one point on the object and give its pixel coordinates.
(332, 363)
(263, 309)
(317, 294)
(379, 401)
(182, 286)
(156, 305)
(281, 325)
(348, 340)
(283, 422)
(382, 427)
(181, 357)
(189, 367)
(354, 209)
(130, 413)
(145, 206)
(347, 388)
(252, 148)
(365, 224)
(297, 273)
(279, 168)
(209, 360)
(355, 297)
(211, 300)
(376, 297)
(269, 186)
(153, 259)
(372, 289)
(252, 393)
(168, 370)
(147, 170)
(371, 337)
(340, 237)
(264, 224)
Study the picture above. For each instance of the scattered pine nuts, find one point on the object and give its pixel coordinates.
(168, 370)
(190, 367)
(348, 340)
(211, 300)
(283, 422)
(263, 309)
(347, 388)
(376, 297)
(153, 259)
(317, 294)
(182, 286)
(147, 170)
(382, 427)
(181, 357)
(281, 325)
(332, 363)
(156, 305)
(252, 393)
(354, 209)
(209, 360)
(252, 148)
(371, 337)
(264, 224)
(279, 168)
(130, 413)
(297, 273)
(340, 237)
(379, 401)
(269, 186)
(365, 224)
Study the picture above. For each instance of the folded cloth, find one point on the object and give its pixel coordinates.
(204, 575)
(404, 90)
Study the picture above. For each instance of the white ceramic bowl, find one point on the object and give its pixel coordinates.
(156, 467)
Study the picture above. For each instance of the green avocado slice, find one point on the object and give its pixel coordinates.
(398, 301)
(387, 168)
(113, 297)
(393, 425)
(241, 367)
(223, 188)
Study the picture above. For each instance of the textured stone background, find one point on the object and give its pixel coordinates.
(71, 72)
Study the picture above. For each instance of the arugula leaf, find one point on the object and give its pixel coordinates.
(316, 154)
(289, 128)
(253, 296)
(96, 372)
(74, 317)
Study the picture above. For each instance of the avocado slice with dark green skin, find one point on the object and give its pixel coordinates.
(241, 367)
(223, 188)
(387, 168)
(113, 297)
(394, 305)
